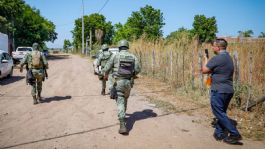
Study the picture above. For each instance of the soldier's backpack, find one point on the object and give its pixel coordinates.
(105, 58)
(126, 65)
(36, 59)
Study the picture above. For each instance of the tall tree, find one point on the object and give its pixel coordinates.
(94, 22)
(180, 33)
(204, 28)
(25, 23)
(147, 21)
(66, 44)
(247, 33)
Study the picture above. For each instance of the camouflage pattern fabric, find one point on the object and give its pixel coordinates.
(37, 73)
(123, 84)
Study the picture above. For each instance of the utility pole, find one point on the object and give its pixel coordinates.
(90, 40)
(83, 28)
(87, 39)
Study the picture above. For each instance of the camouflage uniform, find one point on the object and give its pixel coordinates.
(102, 60)
(38, 73)
(122, 80)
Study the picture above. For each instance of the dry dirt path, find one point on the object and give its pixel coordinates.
(75, 115)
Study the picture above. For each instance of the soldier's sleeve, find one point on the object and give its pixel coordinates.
(45, 62)
(109, 65)
(137, 67)
(99, 60)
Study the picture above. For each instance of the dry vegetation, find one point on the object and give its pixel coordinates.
(177, 63)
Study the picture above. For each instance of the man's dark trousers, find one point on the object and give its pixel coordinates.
(219, 104)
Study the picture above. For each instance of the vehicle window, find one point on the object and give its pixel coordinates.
(24, 49)
(1, 57)
(7, 57)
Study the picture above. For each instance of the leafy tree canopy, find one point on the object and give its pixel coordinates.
(204, 28)
(247, 33)
(26, 22)
(147, 21)
(94, 22)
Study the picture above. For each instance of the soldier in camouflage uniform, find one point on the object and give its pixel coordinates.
(125, 67)
(36, 62)
(103, 57)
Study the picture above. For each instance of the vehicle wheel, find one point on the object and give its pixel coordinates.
(11, 73)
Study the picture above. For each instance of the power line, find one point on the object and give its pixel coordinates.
(70, 23)
(103, 6)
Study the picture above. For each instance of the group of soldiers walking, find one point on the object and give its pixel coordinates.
(121, 68)
(118, 69)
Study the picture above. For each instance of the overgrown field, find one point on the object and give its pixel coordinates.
(178, 63)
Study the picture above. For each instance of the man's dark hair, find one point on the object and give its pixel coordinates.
(220, 42)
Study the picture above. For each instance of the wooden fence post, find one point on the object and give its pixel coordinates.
(183, 67)
(192, 71)
(250, 63)
(201, 75)
(171, 64)
(153, 62)
(237, 78)
(177, 68)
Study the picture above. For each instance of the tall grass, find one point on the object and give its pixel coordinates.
(177, 62)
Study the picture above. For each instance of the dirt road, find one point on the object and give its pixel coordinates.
(75, 115)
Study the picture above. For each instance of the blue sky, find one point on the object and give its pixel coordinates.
(231, 15)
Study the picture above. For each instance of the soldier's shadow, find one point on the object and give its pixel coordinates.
(55, 98)
(139, 115)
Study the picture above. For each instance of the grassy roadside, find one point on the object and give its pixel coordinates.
(170, 100)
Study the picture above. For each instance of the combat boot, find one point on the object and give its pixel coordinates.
(39, 97)
(103, 92)
(35, 100)
(123, 130)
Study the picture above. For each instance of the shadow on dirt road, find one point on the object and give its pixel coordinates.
(138, 115)
(55, 98)
(10, 80)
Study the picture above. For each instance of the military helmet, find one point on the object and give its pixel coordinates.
(35, 46)
(104, 47)
(123, 43)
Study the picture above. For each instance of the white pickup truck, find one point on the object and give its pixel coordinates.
(20, 53)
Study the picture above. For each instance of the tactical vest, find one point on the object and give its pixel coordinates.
(36, 59)
(104, 59)
(126, 65)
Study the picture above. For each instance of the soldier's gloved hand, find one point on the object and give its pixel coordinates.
(106, 77)
(21, 69)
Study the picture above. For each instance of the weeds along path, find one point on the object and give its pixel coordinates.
(75, 115)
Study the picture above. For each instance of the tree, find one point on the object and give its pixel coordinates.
(147, 21)
(121, 32)
(180, 33)
(66, 44)
(204, 28)
(247, 33)
(262, 35)
(94, 22)
(26, 23)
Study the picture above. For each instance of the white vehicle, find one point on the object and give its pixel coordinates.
(97, 70)
(6, 64)
(114, 50)
(3, 42)
(20, 53)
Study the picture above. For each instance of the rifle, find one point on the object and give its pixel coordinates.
(46, 74)
(27, 68)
